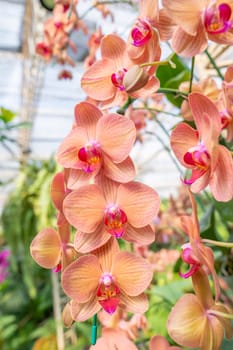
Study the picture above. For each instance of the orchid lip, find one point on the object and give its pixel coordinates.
(91, 157)
(217, 20)
(115, 220)
(117, 78)
(108, 293)
(141, 33)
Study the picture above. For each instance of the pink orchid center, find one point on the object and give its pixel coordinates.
(108, 293)
(198, 157)
(91, 157)
(117, 78)
(141, 33)
(217, 19)
(115, 220)
(188, 257)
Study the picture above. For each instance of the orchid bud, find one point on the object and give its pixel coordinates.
(135, 78)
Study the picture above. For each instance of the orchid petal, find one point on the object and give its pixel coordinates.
(84, 208)
(46, 248)
(80, 279)
(120, 172)
(67, 154)
(213, 335)
(84, 311)
(57, 190)
(187, 321)
(188, 45)
(206, 117)
(78, 178)
(114, 47)
(226, 323)
(179, 10)
(221, 182)
(133, 274)
(135, 304)
(106, 254)
(66, 315)
(86, 242)
(201, 181)
(139, 202)
(183, 138)
(116, 135)
(143, 235)
(87, 116)
(96, 81)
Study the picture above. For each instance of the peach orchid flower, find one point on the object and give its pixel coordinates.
(199, 150)
(97, 143)
(107, 278)
(158, 342)
(115, 76)
(195, 253)
(143, 42)
(119, 210)
(198, 22)
(196, 321)
(51, 249)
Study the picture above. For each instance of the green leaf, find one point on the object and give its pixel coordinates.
(225, 210)
(6, 115)
(172, 77)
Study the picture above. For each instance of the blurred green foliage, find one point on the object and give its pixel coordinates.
(26, 298)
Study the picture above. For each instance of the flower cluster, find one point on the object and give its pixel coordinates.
(97, 195)
(99, 203)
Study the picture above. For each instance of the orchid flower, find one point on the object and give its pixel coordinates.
(104, 81)
(97, 143)
(119, 210)
(196, 321)
(51, 249)
(195, 253)
(143, 42)
(199, 150)
(198, 22)
(107, 278)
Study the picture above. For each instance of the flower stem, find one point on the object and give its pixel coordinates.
(214, 64)
(157, 110)
(218, 244)
(158, 63)
(191, 77)
(173, 92)
(94, 330)
(166, 149)
(221, 314)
